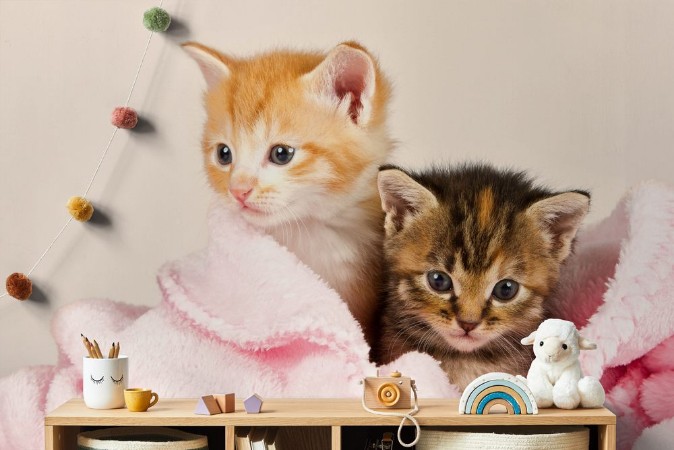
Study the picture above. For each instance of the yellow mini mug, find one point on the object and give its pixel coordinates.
(139, 399)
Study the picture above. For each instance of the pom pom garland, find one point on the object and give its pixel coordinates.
(124, 117)
(80, 208)
(19, 286)
(156, 19)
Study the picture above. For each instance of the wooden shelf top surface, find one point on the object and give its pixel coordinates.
(325, 412)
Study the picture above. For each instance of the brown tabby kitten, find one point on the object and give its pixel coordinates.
(471, 254)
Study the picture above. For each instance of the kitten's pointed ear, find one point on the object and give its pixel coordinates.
(559, 217)
(213, 64)
(346, 78)
(402, 198)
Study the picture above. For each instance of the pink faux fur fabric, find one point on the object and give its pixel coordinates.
(245, 315)
(618, 288)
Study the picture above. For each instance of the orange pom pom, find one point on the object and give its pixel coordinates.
(80, 208)
(19, 286)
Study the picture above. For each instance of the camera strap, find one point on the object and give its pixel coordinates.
(405, 416)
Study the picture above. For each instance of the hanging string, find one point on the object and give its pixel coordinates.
(39, 260)
(108, 145)
(142, 60)
(100, 162)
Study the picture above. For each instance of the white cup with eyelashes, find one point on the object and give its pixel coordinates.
(104, 381)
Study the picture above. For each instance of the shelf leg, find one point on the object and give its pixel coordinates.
(229, 437)
(60, 437)
(336, 438)
(607, 437)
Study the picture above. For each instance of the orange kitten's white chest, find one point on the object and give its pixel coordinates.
(345, 252)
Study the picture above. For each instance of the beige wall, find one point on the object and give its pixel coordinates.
(580, 92)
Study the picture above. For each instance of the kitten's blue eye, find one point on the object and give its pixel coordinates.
(281, 154)
(439, 281)
(224, 154)
(506, 290)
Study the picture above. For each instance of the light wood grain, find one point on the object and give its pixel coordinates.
(229, 437)
(336, 440)
(325, 412)
(49, 441)
(60, 438)
(63, 424)
(607, 437)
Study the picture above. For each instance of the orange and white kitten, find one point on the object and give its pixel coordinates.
(293, 140)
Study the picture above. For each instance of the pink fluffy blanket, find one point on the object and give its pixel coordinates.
(245, 315)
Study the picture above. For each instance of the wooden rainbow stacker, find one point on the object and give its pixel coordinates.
(497, 388)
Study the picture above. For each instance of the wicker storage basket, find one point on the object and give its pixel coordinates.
(506, 438)
(140, 438)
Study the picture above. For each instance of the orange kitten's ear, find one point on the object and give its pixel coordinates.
(559, 217)
(401, 198)
(346, 78)
(214, 65)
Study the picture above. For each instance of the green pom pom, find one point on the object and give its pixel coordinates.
(156, 19)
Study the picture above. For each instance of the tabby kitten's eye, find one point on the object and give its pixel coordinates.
(281, 154)
(224, 154)
(505, 290)
(439, 281)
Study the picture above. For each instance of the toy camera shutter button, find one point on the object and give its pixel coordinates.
(396, 374)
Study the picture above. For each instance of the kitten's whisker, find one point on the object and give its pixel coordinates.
(287, 234)
(408, 330)
(298, 220)
(511, 351)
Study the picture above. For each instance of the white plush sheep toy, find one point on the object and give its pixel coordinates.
(555, 377)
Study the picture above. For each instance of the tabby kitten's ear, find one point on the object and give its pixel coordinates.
(559, 217)
(213, 64)
(346, 78)
(401, 198)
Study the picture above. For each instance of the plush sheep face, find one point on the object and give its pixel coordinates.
(557, 341)
(554, 349)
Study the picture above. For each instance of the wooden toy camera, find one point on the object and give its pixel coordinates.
(393, 392)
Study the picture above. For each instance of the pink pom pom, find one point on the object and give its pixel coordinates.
(124, 117)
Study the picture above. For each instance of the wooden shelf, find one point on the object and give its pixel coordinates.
(62, 424)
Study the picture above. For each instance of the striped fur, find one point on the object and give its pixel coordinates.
(479, 225)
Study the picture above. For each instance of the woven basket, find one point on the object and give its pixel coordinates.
(140, 438)
(506, 438)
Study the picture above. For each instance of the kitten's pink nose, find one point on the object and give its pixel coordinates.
(468, 326)
(241, 193)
